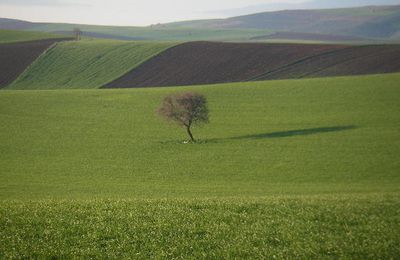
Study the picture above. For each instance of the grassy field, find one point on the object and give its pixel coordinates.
(7, 36)
(86, 64)
(161, 32)
(298, 169)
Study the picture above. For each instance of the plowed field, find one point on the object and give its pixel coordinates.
(358, 60)
(210, 62)
(207, 63)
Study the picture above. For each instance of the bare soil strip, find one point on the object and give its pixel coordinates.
(213, 62)
(196, 63)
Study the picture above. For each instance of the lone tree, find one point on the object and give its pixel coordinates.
(185, 109)
(77, 33)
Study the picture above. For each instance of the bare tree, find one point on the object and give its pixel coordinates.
(186, 110)
(77, 33)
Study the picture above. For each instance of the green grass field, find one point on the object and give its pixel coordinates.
(86, 64)
(161, 32)
(285, 169)
(8, 36)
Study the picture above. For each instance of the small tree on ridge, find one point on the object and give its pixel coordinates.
(186, 110)
(77, 33)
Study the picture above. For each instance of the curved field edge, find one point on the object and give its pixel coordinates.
(86, 64)
(11, 36)
(336, 226)
(16, 57)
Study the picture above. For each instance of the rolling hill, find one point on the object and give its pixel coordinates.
(285, 169)
(125, 64)
(86, 64)
(304, 167)
(136, 33)
(364, 23)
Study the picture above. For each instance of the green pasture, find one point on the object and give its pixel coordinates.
(86, 64)
(160, 32)
(285, 169)
(8, 36)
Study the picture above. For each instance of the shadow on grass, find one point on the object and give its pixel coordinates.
(282, 134)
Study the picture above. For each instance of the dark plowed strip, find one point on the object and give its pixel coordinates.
(210, 62)
(357, 60)
(16, 57)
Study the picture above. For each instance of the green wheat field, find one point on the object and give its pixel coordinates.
(285, 169)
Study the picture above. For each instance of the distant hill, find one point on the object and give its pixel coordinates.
(303, 5)
(367, 22)
(13, 24)
(360, 23)
(159, 33)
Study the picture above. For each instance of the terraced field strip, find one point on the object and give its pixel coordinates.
(86, 64)
(16, 57)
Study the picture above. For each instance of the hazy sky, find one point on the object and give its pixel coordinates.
(133, 12)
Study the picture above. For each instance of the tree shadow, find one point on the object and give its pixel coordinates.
(282, 134)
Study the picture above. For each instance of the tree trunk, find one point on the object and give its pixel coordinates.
(189, 133)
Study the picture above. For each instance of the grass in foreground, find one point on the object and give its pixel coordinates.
(361, 227)
(300, 168)
(86, 64)
(8, 36)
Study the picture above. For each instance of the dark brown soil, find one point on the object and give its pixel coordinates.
(212, 62)
(357, 60)
(209, 62)
(16, 57)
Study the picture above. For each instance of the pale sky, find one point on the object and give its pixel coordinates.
(130, 12)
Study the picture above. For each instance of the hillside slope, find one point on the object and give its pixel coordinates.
(86, 64)
(309, 136)
(14, 24)
(371, 21)
(298, 169)
(16, 57)
(208, 62)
